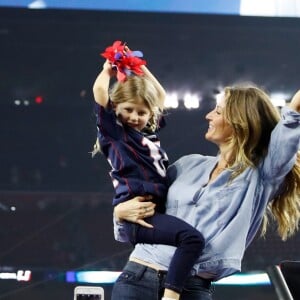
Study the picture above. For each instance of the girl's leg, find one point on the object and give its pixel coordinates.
(169, 230)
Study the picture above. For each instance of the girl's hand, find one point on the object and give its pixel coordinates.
(295, 103)
(108, 67)
(135, 210)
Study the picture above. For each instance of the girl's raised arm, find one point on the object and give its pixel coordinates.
(101, 84)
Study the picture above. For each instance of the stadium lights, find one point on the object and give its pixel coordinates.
(191, 101)
(38, 4)
(171, 100)
(174, 100)
(278, 99)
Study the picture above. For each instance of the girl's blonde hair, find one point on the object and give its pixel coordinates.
(251, 114)
(136, 89)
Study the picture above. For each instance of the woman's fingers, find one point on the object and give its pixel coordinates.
(144, 198)
(135, 209)
(146, 211)
(144, 223)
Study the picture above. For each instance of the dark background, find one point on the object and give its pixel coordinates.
(63, 216)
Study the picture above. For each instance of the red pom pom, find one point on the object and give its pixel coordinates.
(125, 61)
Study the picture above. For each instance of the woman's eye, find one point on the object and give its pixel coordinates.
(218, 110)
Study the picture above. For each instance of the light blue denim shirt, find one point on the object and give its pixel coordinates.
(228, 214)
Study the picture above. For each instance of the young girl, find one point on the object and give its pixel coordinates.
(127, 121)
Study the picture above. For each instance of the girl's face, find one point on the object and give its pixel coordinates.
(135, 115)
(219, 130)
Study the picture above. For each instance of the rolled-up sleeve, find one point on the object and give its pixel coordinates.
(283, 147)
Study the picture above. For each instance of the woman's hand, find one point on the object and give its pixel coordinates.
(135, 210)
(295, 103)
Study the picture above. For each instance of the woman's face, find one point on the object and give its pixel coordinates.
(218, 129)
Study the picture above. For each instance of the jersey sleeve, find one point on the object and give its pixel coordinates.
(107, 122)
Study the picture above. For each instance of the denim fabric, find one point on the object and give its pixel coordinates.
(169, 230)
(138, 282)
(194, 289)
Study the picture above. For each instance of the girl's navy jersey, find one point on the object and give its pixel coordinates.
(138, 163)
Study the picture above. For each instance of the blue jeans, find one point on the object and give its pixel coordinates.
(138, 282)
(169, 230)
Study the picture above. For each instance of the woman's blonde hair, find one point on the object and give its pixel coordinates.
(252, 115)
(135, 89)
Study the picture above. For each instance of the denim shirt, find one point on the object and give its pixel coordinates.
(227, 212)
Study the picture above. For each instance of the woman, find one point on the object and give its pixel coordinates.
(227, 197)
